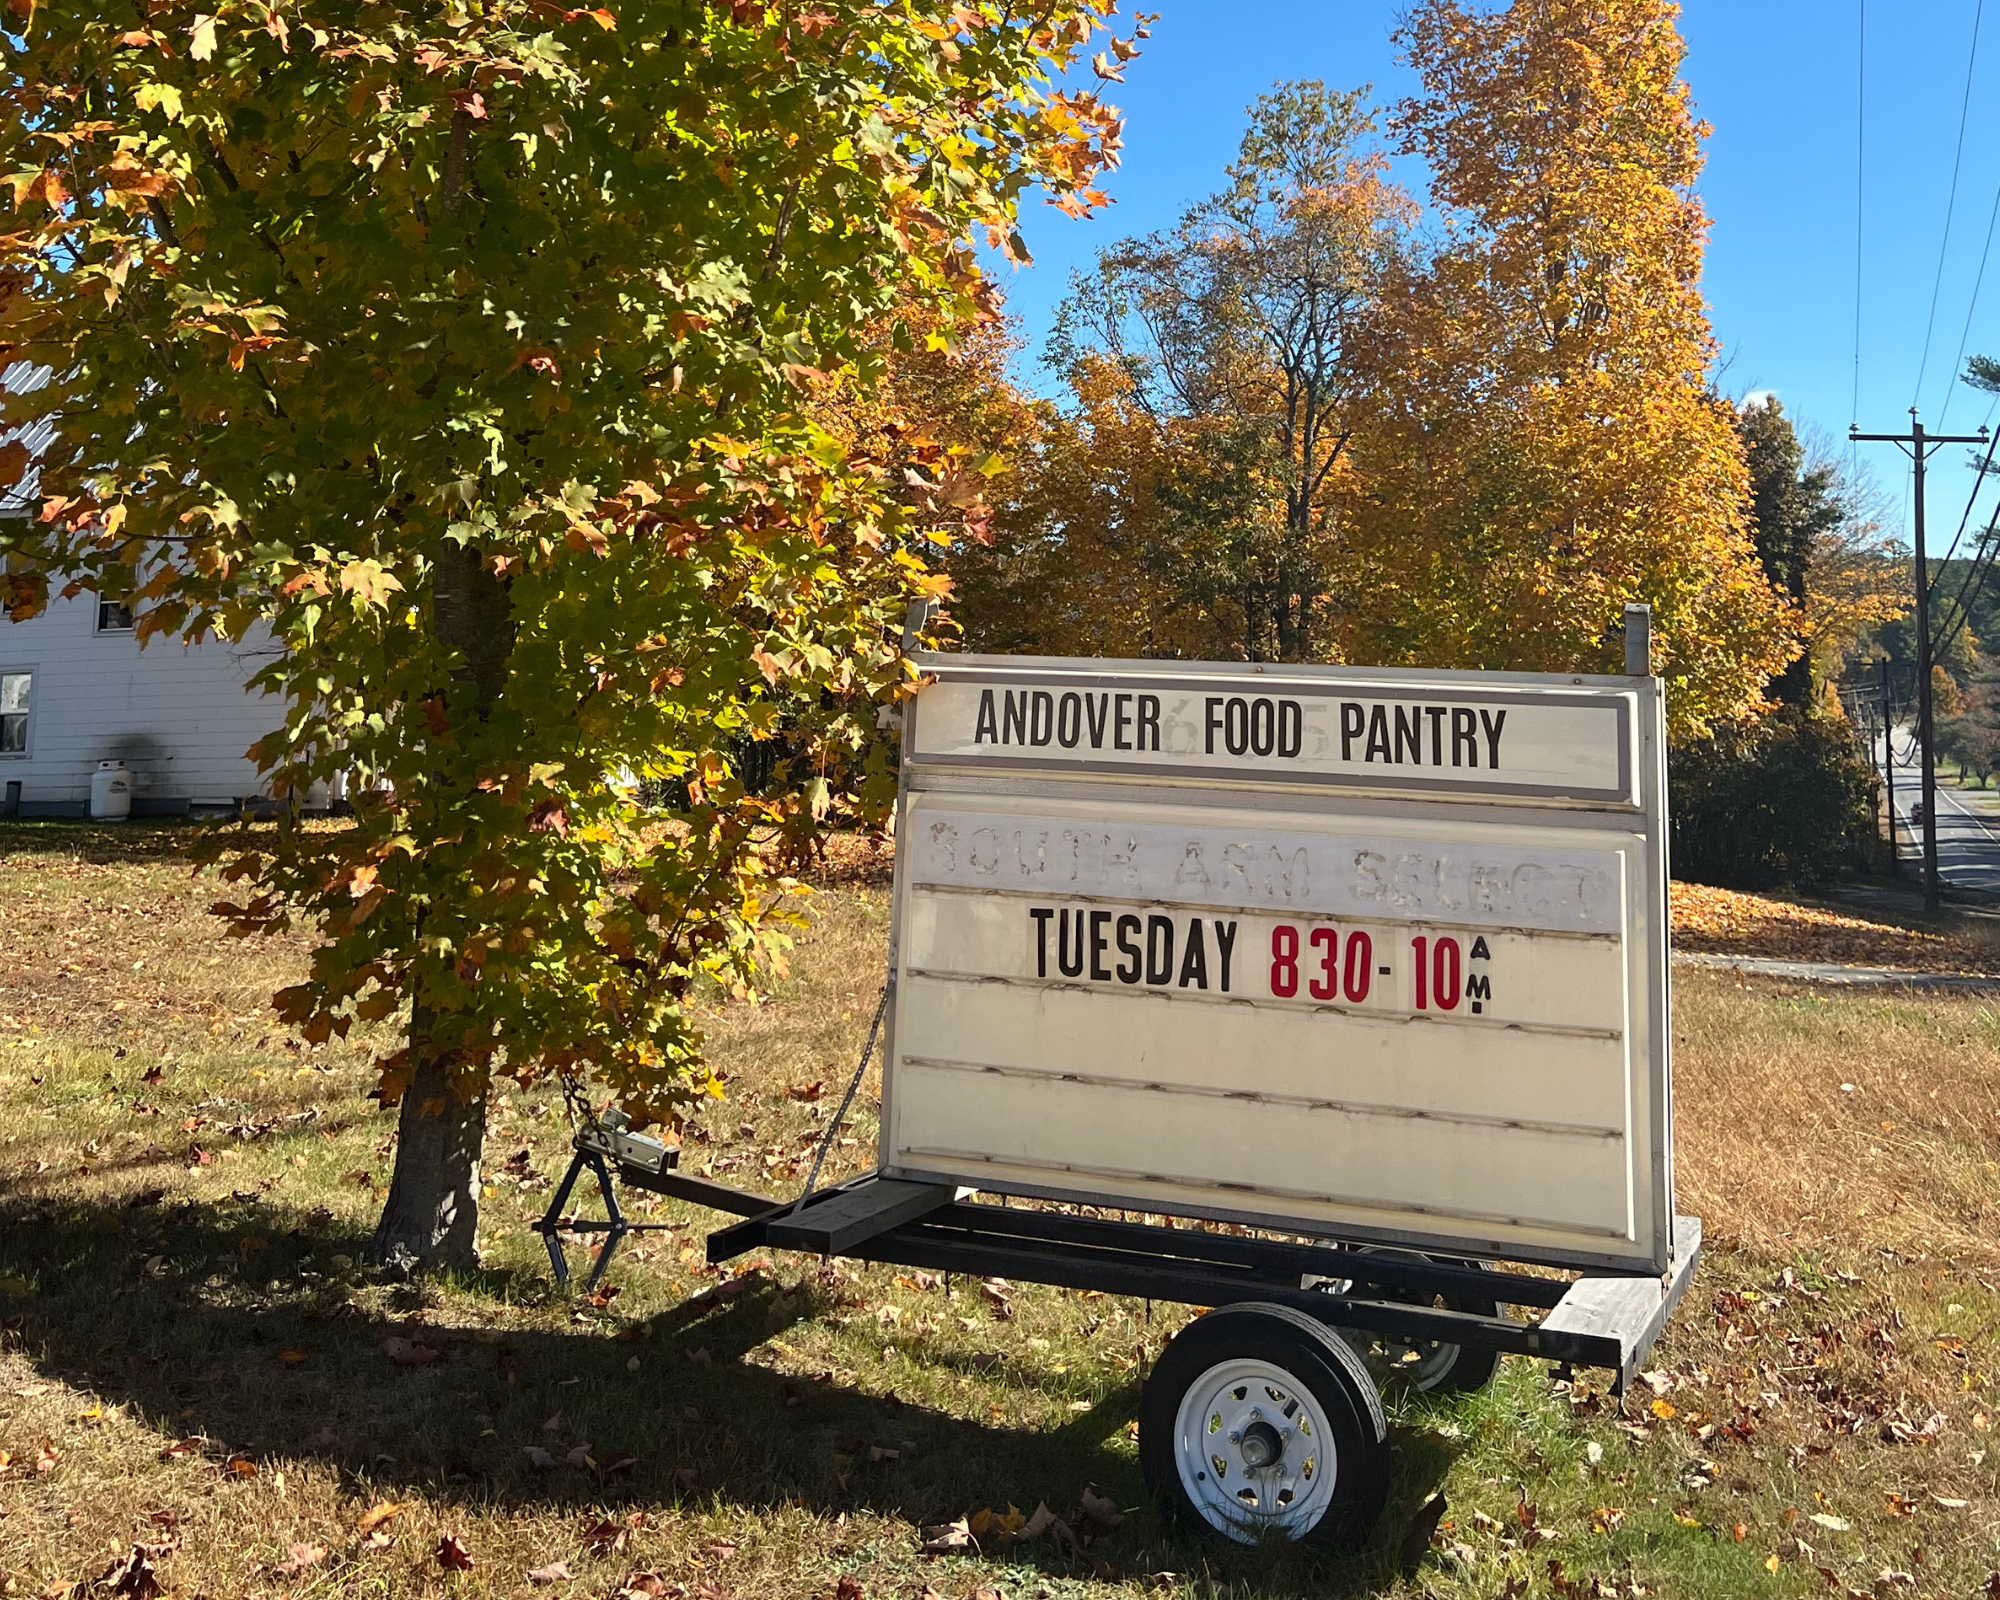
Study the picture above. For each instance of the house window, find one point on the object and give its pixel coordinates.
(15, 688)
(113, 617)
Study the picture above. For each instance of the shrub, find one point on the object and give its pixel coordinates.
(1788, 802)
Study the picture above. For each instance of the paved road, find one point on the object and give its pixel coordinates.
(1968, 826)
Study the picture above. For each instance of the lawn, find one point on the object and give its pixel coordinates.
(200, 1390)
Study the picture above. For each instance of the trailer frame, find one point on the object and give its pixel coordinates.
(1593, 1321)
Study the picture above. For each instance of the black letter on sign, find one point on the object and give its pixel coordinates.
(1128, 947)
(1263, 727)
(1014, 730)
(1236, 725)
(1159, 949)
(1436, 714)
(1099, 972)
(988, 731)
(1378, 733)
(1493, 726)
(1464, 737)
(1352, 721)
(1225, 941)
(1042, 723)
(1095, 706)
(1194, 964)
(1410, 735)
(1070, 959)
(1291, 728)
(1069, 722)
(1149, 721)
(1041, 914)
(1479, 950)
(1478, 988)
(1214, 721)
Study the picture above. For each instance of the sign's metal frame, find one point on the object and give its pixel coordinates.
(1638, 805)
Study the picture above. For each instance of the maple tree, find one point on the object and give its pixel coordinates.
(1546, 445)
(468, 350)
(1230, 337)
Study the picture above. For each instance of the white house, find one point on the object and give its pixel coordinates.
(76, 689)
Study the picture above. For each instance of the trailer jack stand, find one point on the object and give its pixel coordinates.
(554, 1225)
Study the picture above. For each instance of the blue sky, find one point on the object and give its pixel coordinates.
(1776, 79)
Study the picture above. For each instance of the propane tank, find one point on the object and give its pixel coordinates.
(110, 792)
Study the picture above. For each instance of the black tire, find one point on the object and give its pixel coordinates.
(1309, 1356)
(1440, 1368)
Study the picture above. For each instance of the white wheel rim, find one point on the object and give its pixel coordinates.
(1421, 1363)
(1230, 1420)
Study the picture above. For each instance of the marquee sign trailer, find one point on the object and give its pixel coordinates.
(1371, 963)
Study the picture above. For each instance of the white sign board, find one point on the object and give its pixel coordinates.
(1362, 954)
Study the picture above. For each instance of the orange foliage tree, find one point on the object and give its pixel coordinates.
(1545, 444)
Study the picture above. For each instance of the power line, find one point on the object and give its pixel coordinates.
(1951, 201)
(1978, 482)
(1973, 584)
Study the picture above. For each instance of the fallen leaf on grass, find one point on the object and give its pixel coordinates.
(1102, 1511)
(134, 1577)
(540, 1459)
(1951, 1505)
(452, 1555)
(409, 1353)
(847, 1589)
(607, 1535)
(948, 1538)
(1831, 1523)
(554, 1572)
(646, 1586)
(291, 1358)
(375, 1516)
(298, 1558)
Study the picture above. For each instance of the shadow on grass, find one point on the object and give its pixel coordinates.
(243, 1339)
(138, 842)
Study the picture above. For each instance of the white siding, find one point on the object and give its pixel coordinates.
(180, 717)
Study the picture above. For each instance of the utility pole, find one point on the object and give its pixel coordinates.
(1889, 771)
(1918, 445)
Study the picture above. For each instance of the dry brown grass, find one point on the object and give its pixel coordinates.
(1807, 1122)
(1836, 1358)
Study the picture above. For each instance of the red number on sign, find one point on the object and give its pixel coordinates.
(1445, 974)
(1284, 961)
(1360, 966)
(1327, 942)
(1437, 973)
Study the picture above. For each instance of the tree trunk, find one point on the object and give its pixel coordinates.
(431, 1218)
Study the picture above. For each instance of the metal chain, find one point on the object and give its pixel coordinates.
(576, 1104)
(847, 1099)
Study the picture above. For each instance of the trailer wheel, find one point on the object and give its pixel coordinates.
(1258, 1420)
(1429, 1366)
